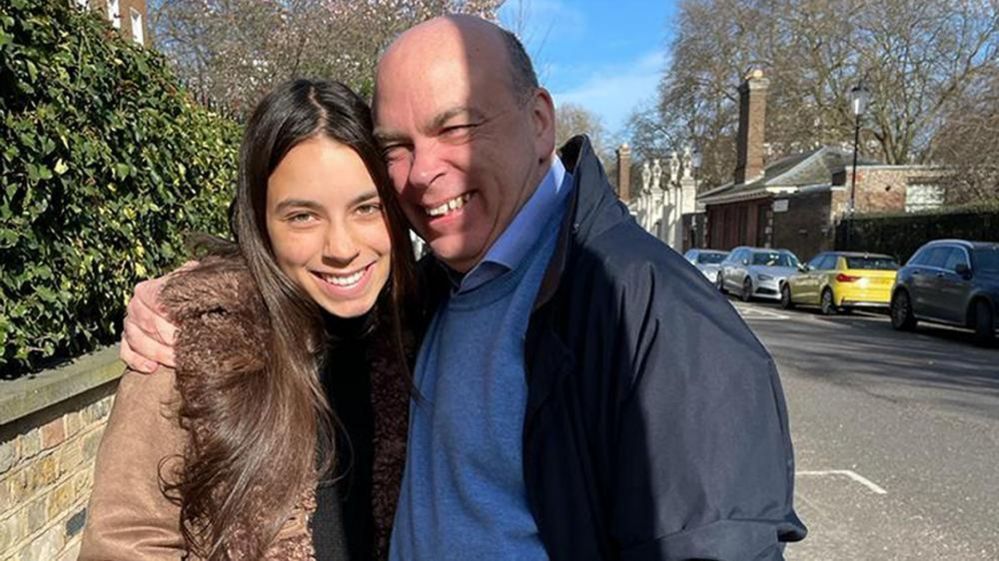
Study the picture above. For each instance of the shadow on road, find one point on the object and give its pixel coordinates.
(862, 350)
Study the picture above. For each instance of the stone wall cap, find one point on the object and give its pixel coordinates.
(28, 394)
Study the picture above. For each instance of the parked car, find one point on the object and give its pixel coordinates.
(707, 261)
(756, 272)
(953, 282)
(841, 281)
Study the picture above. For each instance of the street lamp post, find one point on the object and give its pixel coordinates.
(859, 96)
(695, 162)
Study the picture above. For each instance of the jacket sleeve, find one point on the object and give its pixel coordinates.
(129, 517)
(703, 464)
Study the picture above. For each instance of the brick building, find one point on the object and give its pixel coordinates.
(128, 16)
(795, 202)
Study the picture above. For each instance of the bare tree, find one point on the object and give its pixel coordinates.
(572, 119)
(918, 59)
(968, 143)
(233, 50)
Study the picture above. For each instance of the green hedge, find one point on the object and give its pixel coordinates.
(105, 163)
(902, 234)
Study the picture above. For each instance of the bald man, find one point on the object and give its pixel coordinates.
(583, 392)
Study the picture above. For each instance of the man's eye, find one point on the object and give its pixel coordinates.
(393, 153)
(457, 131)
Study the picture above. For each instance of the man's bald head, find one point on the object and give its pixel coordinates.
(472, 34)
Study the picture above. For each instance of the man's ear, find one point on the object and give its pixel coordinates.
(543, 120)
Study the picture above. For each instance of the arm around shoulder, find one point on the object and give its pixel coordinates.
(129, 517)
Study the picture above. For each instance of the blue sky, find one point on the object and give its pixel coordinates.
(605, 55)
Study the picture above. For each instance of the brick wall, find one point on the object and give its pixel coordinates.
(47, 460)
(805, 228)
(124, 11)
(880, 188)
(45, 477)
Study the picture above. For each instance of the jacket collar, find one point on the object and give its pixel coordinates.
(593, 209)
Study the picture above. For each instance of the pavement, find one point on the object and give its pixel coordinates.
(896, 436)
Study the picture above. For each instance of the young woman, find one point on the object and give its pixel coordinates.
(281, 432)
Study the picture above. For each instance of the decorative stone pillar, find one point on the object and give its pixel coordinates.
(624, 173)
(655, 198)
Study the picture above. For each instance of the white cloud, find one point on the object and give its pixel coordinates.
(614, 91)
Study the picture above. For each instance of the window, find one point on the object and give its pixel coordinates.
(955, 257)
(816, 261)
(938, 256)
(987, 259)
(137, 34)
(919, 258)
(923, 197)
(710, 258)
(829, 263)
(114, 13)
(774, 259)
(872, 263)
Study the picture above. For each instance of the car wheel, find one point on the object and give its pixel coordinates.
(902, 318)
(984, 323)
(785, 297)
(720, 282)
(747, 289)
(826, 304)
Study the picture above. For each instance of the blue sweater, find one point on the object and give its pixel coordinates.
(463, 493)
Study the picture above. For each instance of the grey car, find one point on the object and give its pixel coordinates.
(954, 282)
(707, 261)
(756, 272)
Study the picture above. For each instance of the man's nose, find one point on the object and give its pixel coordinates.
(427, 165)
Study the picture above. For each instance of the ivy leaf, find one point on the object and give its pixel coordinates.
(60, 167)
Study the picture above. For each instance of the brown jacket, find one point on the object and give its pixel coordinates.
(129, 517)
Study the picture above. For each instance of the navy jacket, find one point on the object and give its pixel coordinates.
(656, 426)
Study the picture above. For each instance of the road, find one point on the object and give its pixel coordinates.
(896, 436)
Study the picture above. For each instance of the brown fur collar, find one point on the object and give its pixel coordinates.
(223, 326)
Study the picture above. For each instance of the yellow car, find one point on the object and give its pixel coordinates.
(840, 281)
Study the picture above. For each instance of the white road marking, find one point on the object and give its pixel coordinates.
(759, 313)
(849, 473)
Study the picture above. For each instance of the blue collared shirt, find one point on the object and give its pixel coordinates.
(513, 244)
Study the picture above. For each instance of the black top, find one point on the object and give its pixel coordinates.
(343, 511)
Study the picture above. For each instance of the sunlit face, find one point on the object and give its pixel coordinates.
(463, 152)
(327, 228)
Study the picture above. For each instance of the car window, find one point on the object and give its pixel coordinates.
(816, 261)
(774, 259)
(691, 255)
(829, 263)
(937, 256)
(955, 257)
(919, 258)
(987, 259)
(710, 258)
(872, 263)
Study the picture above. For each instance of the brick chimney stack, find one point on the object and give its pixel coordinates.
(624, 173)
(752, 118)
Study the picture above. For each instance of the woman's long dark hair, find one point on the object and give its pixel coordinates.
(260, 449)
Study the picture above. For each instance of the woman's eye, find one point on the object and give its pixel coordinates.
(369, 209)
(299, 218)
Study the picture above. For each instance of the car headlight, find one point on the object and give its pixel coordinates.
(764, 277)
